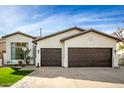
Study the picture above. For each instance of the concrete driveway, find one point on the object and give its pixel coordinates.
(55, 77)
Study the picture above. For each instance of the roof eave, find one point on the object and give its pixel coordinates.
(62, 40)
(69, 29)
(3, 37)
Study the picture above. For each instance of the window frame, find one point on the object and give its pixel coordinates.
(15, 47)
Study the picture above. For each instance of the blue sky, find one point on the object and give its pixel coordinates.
(30, 19)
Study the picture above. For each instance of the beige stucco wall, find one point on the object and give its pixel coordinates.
(17, 38)
(52, 42)
(90, 40)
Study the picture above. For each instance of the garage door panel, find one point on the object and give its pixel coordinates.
(90, 57)
(51, 56)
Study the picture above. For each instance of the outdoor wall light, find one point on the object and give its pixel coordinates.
(38, 51)
(115, 51)
(37, 64)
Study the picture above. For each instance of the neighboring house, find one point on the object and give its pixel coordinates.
(76, 47)
(2, 47)
(2, 50)
(15, 43)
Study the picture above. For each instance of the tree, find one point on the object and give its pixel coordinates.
(27, 57)
(119, 34)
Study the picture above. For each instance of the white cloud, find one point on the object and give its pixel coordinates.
(97, 17)
(98, 26)
(10, 17)
(37, 16)
(60, 21)
(52, 20)
(15, 19)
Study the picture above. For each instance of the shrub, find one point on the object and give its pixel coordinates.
(121, 62)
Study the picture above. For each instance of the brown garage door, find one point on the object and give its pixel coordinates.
(90, 57)
(50, 57)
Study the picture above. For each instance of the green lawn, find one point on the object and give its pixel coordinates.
(9, 76)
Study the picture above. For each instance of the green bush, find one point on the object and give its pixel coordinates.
(121, 62)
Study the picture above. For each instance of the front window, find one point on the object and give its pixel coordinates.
(17, 50)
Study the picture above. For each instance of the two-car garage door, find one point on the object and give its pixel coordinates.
(78, 57)
(89, 57)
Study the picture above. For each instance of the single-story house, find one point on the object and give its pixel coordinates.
(15, 43)
(77, 47)
(72, 47)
